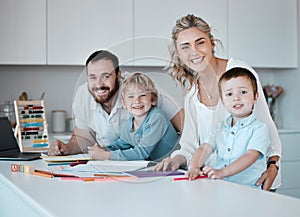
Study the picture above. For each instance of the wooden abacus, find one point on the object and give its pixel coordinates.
(32, 128)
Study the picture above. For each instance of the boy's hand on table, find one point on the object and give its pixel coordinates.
(98, 153)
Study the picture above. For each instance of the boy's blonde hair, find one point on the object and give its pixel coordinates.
(142, 81)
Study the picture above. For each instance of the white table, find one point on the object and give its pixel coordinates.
(28, 195)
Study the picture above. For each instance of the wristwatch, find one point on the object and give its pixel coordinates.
(273, 162)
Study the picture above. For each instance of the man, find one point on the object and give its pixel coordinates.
(98, 109)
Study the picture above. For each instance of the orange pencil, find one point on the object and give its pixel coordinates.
(42, 174)
(88, 179)
(54, 174)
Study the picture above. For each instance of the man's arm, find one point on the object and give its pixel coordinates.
(78, 143)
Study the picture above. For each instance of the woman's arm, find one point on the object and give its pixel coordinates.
(189, 139)
(261, 111)
(173, 111)
(200, 156)
(198, 160)
(177, 121)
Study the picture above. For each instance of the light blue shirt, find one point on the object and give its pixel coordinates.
(230, 143)
(90, 115)
(154, 140)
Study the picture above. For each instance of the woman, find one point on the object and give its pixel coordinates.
(197, 69)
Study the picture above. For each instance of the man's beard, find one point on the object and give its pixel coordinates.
(111, 93)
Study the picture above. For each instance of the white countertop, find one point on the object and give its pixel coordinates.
(144, 197)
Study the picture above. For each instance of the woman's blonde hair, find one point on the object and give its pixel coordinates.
(178, 70)
(142, 81)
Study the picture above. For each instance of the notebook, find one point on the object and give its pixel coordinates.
(9, 148)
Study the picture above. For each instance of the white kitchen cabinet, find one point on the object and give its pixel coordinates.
(66, 32)
(263, 33)
(76, 28)
(23, 32)
(290, 162)
(155, 19)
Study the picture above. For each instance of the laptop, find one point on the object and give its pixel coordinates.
(9, 148)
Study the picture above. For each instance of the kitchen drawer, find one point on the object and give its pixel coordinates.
(290, 175)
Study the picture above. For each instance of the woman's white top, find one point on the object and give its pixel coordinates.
(199, 120)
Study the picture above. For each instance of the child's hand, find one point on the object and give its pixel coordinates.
(193, 173)
(97, 153)
(213, 173)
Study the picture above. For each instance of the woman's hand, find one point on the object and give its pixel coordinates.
(171, 163)
(268, 177)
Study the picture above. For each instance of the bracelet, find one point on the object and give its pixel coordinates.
(272, 162)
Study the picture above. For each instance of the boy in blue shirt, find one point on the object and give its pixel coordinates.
(241, 141)
(147, 134)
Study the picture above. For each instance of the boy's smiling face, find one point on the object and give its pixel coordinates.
(238, 97)
(138, 101)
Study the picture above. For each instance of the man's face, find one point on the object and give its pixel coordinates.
(103, 82)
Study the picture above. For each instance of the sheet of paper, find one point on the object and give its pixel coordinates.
(67, 158)
(107, 166)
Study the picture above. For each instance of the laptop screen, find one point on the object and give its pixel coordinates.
(7, 138)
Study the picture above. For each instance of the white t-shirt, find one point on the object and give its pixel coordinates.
(90, 115)
(199, 121)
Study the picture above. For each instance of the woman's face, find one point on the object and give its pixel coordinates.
(195, 49)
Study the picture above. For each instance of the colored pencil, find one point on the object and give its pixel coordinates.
(186, 178)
